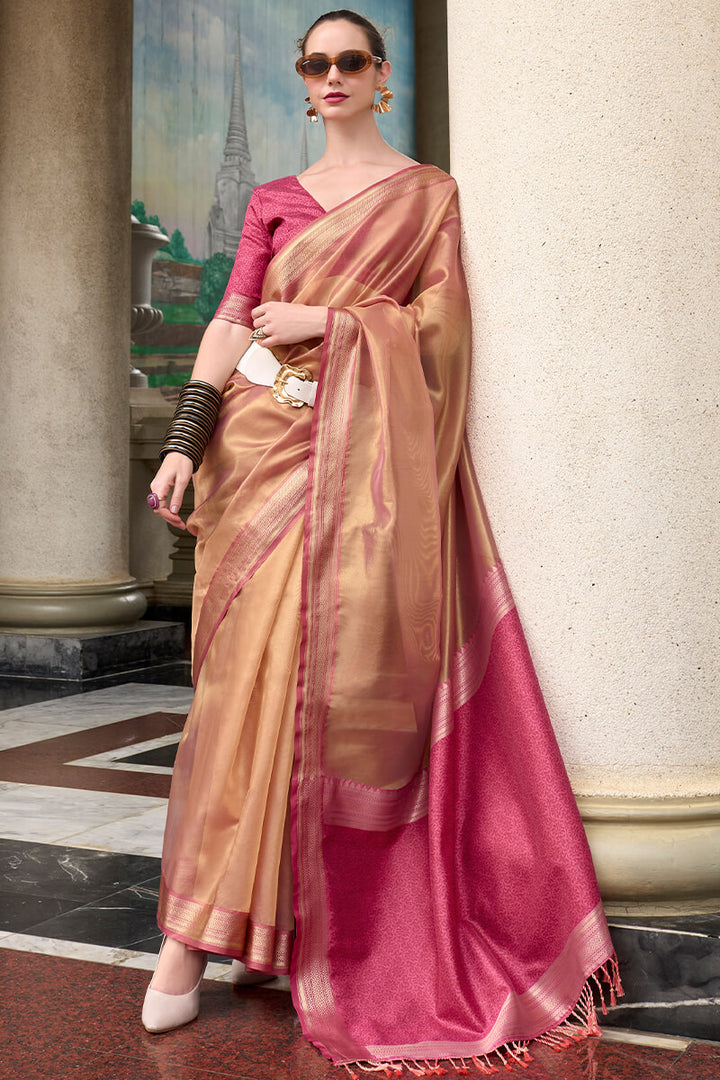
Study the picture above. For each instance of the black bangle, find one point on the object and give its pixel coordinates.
(193, 422)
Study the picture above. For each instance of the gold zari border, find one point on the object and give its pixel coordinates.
(228, 933)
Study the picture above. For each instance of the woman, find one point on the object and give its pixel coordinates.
(348, 800)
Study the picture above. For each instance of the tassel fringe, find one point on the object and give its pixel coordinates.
(581, 1024)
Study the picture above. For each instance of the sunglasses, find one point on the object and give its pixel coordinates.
(350, 62)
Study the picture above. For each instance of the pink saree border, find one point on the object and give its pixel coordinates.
(310, 974)
(250, 548)
(541, 1008)
(356, 806)
(308, 246)
(471, 658)
(262, 947)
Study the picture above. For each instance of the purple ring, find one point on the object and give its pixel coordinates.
(153, 501)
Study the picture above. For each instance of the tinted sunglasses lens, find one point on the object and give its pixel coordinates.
(353, 63)
(314, 65)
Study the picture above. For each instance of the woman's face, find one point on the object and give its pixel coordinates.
(336, 95)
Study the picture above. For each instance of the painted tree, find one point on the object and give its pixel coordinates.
(177, 249)
(138, 209)
(213, 282)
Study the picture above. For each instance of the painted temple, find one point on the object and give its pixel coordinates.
(235, 178)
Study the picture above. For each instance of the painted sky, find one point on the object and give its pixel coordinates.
(184, 55)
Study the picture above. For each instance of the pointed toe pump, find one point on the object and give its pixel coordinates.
(163, 1012)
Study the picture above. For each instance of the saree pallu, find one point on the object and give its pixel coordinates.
(444, 897)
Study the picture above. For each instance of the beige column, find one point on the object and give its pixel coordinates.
(585, 141)
(65, 87)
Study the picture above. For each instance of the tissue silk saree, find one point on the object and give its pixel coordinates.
(445, 904)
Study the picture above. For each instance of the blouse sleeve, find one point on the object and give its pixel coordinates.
(253, 255)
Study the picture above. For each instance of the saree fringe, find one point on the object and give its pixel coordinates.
(580, 1024)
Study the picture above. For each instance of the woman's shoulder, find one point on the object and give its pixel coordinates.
(438, 173)
(274, 187)
(275, 198)
(431, 176)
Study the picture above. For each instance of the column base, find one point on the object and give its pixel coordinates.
(28, 607)
(82, 657)
(655, 856)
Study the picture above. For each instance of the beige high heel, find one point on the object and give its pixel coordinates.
(163, 1012)
(240, 976)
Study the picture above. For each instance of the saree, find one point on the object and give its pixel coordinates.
(444, 902)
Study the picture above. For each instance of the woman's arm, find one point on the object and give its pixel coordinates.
(222, 345)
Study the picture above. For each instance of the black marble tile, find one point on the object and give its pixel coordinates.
(115, 921)
(18, 911)
(658, 966)
(79, 874)
(162, 755)
(17, 690)
(152, 945)
(670, 969)
(147, 944)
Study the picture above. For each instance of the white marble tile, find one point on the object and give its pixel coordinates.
(120, 766)
(645, 1038)
(135, 834)
(101, 954)
(644, 929)
(54, 815)
(112, 759)
(71, 950)
(61, 716)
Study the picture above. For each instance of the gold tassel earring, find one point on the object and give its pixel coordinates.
(383, 105)
(312, 112)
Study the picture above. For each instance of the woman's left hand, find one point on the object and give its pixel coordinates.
(285, 324)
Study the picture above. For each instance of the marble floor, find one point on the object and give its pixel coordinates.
(83, 787)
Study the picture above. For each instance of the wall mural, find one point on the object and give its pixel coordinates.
(217, 109)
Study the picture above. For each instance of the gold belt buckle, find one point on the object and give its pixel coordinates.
(279, 390)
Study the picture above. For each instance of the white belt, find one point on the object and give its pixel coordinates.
(293, 386)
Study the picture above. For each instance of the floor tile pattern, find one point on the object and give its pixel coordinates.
(83, 788)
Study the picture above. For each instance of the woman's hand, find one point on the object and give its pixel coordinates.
(286, 324)
(174, 473)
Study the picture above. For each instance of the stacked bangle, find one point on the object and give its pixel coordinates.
(193, 422)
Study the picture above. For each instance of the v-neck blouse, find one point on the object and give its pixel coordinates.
(276, 213)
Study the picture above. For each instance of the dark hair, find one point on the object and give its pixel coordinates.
(375, 38)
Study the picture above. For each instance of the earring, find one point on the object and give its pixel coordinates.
(312, 112)
(383, 105)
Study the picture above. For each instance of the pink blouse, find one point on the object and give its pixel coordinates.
(276, 213)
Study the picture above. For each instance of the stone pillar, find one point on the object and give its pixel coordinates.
(65, 85)
(584, 139)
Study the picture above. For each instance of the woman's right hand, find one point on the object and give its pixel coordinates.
(169, 484)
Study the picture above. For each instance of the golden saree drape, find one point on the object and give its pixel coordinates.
(347, 577)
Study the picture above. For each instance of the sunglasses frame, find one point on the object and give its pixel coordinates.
(369, 61)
